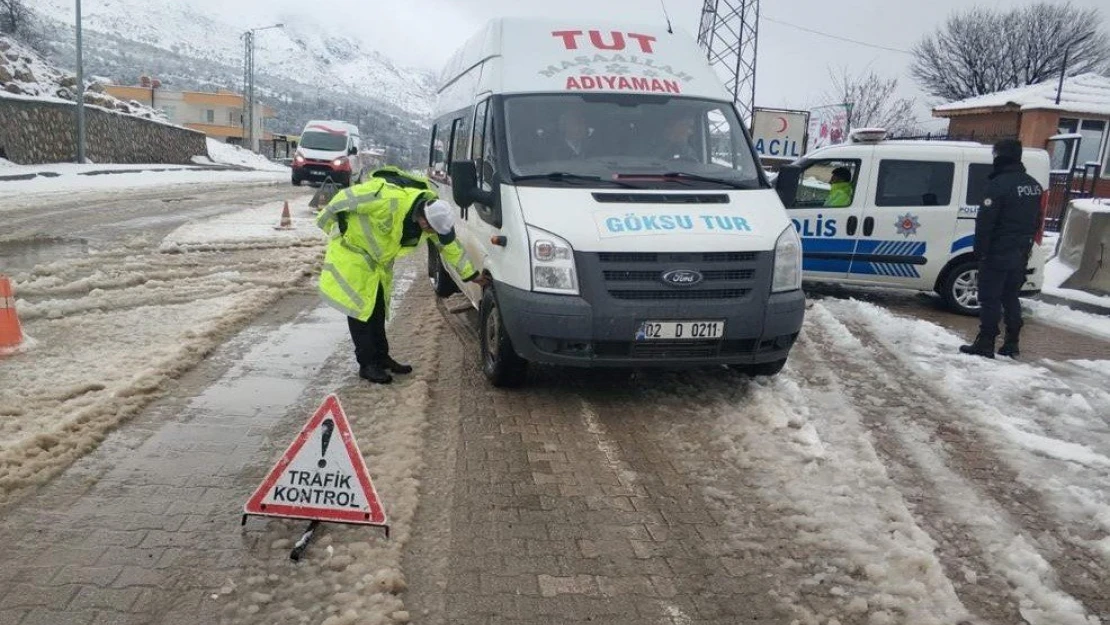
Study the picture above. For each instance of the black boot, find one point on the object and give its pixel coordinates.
(395, 366)
(1010, 344)
(375, 374)
(983, 346)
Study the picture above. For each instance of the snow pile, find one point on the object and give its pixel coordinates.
(1085, 93)
(250, 227)
(67, 178)
(24, 73)
(1075, 320)
(228, 154)
(111, 329)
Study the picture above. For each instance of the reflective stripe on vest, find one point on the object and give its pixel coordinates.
(461, 263)
(348, 290)
(370, 262)
(368, 234)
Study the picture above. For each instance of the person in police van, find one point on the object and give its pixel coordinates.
(1005, 229)
(370, 226)
(840, 188)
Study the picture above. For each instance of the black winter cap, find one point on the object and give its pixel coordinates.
(1009, 149)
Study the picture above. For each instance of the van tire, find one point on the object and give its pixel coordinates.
(500, 362)
(766, 369)
(442, 283)
(956, 288)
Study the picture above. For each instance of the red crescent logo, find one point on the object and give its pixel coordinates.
(782, 129)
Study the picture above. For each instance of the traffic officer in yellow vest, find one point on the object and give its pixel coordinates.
(370, 226)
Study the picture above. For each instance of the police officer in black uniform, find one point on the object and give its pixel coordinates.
(1005, 229)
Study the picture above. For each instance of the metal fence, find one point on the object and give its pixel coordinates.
(1065, 186)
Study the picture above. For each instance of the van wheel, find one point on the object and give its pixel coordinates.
(500, 362)
(767, 369)
(960, 289)
(442, 283)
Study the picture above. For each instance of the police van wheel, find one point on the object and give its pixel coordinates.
(960, 289)
(500, 362)
(442, 283)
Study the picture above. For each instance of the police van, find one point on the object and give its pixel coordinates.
(898, 214)
(607, 185)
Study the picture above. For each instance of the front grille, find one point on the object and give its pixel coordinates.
(638, 276)
(659, 294)
(654, 276)
(729, 257)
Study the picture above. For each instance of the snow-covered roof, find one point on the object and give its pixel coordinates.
(1085, 93)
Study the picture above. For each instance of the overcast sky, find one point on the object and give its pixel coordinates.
(793, 69)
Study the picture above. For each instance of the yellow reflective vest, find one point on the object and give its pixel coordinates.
(361, 253)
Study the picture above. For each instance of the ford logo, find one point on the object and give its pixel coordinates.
(682, 277)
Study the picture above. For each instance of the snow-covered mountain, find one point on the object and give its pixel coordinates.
(305, 52)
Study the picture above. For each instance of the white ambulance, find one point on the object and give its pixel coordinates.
(907, 219)
(605, 182)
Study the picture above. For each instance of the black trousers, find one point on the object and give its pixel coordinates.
(371, 345)
(998, 295)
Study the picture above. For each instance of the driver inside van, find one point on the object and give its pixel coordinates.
(676, 140)
(840, 188)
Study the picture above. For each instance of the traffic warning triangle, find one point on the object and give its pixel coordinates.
(322, 475)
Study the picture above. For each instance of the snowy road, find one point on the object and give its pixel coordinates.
(880, 479)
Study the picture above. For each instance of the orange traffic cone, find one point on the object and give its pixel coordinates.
(286, 219)
(10, 333)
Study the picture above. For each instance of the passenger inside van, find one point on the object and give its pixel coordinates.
(840, 188)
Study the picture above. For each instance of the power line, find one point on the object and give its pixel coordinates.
(837, 37)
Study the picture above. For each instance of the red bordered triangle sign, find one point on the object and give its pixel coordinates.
(322, 476)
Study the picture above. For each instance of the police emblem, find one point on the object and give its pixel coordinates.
(907, 225)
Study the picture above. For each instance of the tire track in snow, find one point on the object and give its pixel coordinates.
(966, 453)
(984, 594)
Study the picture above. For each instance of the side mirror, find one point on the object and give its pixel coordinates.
(464, 182)
(786, 184)
(352, 150)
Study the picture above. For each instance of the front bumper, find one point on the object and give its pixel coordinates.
(320, 172)
(598, 329)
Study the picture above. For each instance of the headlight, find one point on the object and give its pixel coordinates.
(553, 269)
(340, 162)
(298, 159)
(788, 262)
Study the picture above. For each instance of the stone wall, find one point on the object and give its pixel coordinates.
(36, 131)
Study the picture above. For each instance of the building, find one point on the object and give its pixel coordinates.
(218, 115)
(1075, 128)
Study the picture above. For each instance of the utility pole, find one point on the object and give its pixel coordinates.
(80, 92)
(729, 34)
(248, 84)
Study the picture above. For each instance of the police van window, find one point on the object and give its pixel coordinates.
(828, 184)
(915, 183)
(977, 178)
(482, 148)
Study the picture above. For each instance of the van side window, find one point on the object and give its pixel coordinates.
(977, 183)
(915, 183)
(460, 138)
(482, 148)
(828, 184)
(453, 140)
(437, 156)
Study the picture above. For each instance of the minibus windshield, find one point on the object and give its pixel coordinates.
(649, 141)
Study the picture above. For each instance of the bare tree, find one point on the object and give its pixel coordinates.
(873, 101)
(981, 50)
(14, 16)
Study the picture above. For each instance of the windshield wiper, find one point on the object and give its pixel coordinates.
(681, 175)
(562, 176)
